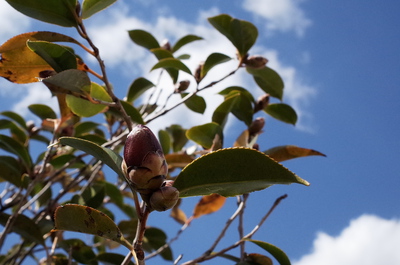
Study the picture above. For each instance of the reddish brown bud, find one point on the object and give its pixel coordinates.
(145, 165)
(256, 126)
(182, 86)
(165, 198)
(256, 61)
(166, 45)
(197, 73)
(261, 103)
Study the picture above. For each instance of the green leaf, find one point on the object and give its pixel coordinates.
(107, 156)
(241, 33)
(161, 53)
(83, 219)
(156, 238)
(276, 252)
(143, 38)
(195, 103)
(178, 135)
(220, 114)
(59, 12)
(213, 60)
(165, 141)
(16, 117)
(11, 145)
(10, 170)
(42, 111)
(268, 80)
(57, 56)
(85, 108)
(173, 63)
(85, 127)
(68, 81)
(231, 172)
(112, 259)
(185, 40)
(132, 112)
(242, 91)
(25, 227)
(16, 132)
(137, 88)
(94, 195)
(91, 7)
(204, 134)
(282, 112)
(80, 252)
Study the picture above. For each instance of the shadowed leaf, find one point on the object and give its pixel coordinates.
(91, 7)
(144, 39)
(213, 60)
(276, 252)
(25, 227)
(282, 112)
(185, 40)
(268, 80)
(42, 111)
(195, 103)
(171, 63)
(204, 134)
(220, 114)
(138, 87)
(11, 145)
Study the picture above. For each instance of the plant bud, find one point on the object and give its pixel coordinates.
(166, 45)
(145, 162)
(256, 61)
(197, 73)
(165, 198)
(261, 103)
(182, 86)
(256, 126)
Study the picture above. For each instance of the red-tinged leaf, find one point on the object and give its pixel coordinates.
(208, 204)
(144, 39)
(286, 152)
(83, 219)
(61, 12)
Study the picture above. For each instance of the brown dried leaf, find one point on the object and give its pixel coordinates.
(177, 214)
(209, 204)
(286, 152)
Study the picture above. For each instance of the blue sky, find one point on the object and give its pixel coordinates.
(340, 63)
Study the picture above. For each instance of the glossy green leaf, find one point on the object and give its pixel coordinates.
(204, 134)
(25, 227)
(195, 103)
(282, 112)
(83, 219)
(91, 7)
(106, 155)
(137, 88)
(213, 60)
(143, 38)
(112, 259)
(220, 114)
(13, 146)
(178, 135)
(165, 141)
(241, 33)
(231, 172)
(156, 238)
(185, 40)
(132, 112)
(286, 152)
(42, 111)
(268, 80)
(276, 252)
(57, 56)
(85, 108)
(59, 12)
(68, 81)
(171, 63)
(10, 170)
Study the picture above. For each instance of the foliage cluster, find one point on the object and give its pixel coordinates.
(64, 187)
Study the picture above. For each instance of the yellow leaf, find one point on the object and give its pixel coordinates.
(209, 204)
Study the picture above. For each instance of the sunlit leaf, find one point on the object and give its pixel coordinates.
(185, 40)
(83, 219)
(143, 38)
(282, 112)
(204, 134)
(208, 204)
(195, 103)
(231, 172)
(13, 146)
(106, 155)
(137, 88)
(42, 111)
(268, 80)
(57, 56)
(241, 33)
(213, 60)
(59, 12)
(91, 7)
(25, 227)
(286, 152)
(276, 252)
(171, 63)
(85, 108)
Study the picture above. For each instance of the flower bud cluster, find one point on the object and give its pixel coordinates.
(145, 169)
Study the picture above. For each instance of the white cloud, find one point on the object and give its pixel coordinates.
(368, 240)
(11, 21)
(282, 15)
